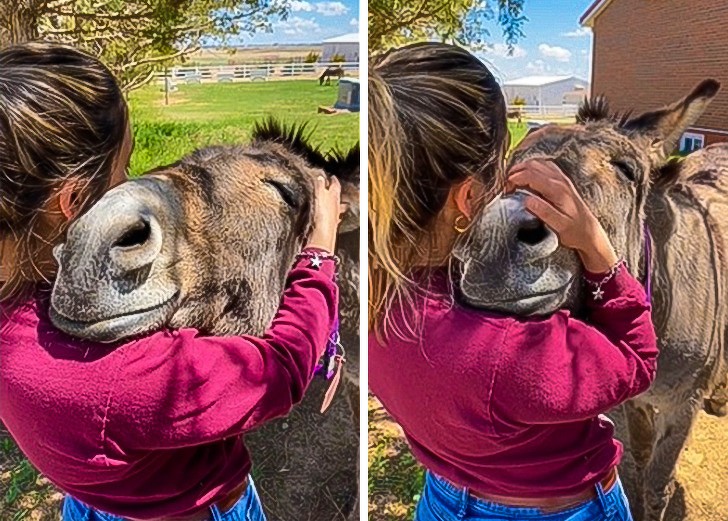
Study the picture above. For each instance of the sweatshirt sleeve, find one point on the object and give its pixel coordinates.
(559, 369)
(179, 388)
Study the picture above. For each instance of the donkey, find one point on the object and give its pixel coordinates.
(207, 243)
(620, 165)
(331, 72)
(517, 114)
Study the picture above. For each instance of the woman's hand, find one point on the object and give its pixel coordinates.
(327, 200)
(554, 199)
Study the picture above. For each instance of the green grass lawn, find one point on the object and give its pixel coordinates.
(207, 114)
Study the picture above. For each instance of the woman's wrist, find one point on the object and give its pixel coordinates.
(314, 246)
(599, 256)
(598, 262)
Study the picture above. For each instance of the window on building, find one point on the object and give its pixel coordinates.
(691, 142)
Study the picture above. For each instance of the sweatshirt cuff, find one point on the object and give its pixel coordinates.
(621, 285)
(324, 264)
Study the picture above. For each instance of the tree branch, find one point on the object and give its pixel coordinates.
(156, 59)
(138, 81)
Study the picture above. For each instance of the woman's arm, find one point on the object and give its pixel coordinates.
(180, 388)
(559, 369)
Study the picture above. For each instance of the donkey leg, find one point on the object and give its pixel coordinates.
(717, 403)
(673, 431)
(641, 428)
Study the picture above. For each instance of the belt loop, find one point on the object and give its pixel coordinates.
(464, 497)
(216, 514)
(606, 502)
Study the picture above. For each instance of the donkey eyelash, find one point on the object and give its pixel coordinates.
(626, 170)
(286, 193)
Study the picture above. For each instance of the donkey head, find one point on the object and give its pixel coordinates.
(511, 262)
(204, 243)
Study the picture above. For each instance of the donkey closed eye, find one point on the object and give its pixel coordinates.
(626, 170)
(286, 192)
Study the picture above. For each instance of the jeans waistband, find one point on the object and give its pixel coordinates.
(461, 499)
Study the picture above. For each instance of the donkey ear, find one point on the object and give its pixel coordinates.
(663, 128)
(345, 167)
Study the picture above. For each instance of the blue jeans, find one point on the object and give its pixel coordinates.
(442, 501)
(248, 508)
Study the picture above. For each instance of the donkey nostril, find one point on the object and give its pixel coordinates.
(532, 233)
(137, 235)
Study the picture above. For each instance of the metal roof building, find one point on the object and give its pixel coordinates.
(543, 90)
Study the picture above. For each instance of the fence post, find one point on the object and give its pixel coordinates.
(166, 86)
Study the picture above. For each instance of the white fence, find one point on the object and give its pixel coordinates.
(553, 111)
(252, 72)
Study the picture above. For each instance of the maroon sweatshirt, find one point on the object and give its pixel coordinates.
(152, 428)
(513, 406)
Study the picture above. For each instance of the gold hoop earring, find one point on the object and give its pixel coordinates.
(459, 226)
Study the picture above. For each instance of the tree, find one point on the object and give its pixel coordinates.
(135, 38)
(394, 22)
(312, 57)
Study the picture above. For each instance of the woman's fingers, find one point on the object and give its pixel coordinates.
(554, 191)
(545, 179)
(550, 216)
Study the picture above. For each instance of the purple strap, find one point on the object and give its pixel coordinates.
(648, 264)
(327, 365)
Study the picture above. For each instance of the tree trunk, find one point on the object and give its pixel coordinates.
(19, 21)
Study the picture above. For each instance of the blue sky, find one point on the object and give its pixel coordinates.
(554, 44)
(312, 21)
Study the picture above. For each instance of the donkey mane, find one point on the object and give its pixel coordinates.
(598, 109)
(294, 136)
(297, 138)
(344, 165)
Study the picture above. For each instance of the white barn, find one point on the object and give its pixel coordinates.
(544, 90)
(346, 45)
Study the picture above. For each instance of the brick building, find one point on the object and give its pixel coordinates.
(647, 53)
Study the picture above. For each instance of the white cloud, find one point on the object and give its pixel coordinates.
(354, 22)
(538, 67)
(500, 50)
(331, 8)
(298, 25)
(557, 53)
(584, 52)
(301, 5)
(581, 32)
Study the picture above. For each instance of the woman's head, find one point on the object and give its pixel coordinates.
(437, 140)
(65, 139)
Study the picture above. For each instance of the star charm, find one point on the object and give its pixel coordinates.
(316, 262)
(598, 294)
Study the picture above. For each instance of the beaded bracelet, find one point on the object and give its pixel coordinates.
(598, 292)
(317, 257)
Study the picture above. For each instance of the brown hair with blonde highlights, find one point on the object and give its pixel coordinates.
(63, 121)
(437, 116)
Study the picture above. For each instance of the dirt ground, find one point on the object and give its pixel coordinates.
(395, 479)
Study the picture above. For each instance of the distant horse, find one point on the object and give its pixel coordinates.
(330, 72)
(516, 114)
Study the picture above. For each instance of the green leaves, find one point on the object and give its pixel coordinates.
(136, 38)
(396, 22)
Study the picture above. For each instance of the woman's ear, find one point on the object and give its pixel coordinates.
(466, 196)
(68, 200)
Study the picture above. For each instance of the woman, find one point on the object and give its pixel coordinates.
(172, 448)
(504, 412)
